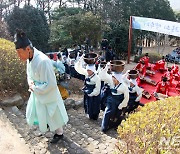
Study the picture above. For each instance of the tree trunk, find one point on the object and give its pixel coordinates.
(28, 2)
(49, 14)
(14, 3)
(19, 2)
(60, 4)
(1, 10)
(43, 6)
(1, 14)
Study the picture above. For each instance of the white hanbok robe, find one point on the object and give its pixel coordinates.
(94, 80)
(136, 89)
(45, 105)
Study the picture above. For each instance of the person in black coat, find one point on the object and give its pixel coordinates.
(109, 54)
(104, 44)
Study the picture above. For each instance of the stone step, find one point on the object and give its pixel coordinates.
(37, 141)
(82, 136)
(87, 133)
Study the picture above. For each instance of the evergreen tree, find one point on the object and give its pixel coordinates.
(34, 24)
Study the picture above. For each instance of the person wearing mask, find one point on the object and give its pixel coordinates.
(65, 61)
(104, 44)
(109, 54)
(169, 75)
(92, 87)
(105, 89)
(162, 89)
(51, 56)
(141, 67)
(146, 60)
(160, 65)
(116, 100)
(59, 64)
(61, 78)
(45, 105)
(65, 52)
(71, 62)
(135, 92)
(178, 86)
(175, 72)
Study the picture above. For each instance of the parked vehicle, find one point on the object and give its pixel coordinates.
(174, 56)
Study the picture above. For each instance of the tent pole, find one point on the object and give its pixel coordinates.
(129, 40)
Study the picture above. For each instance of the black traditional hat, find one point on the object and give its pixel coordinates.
(164, 79)
(146, 54)
(20, 39)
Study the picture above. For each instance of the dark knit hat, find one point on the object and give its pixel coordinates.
(20, 39)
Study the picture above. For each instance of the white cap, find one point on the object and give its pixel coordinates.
(118, 76)
(91, 67)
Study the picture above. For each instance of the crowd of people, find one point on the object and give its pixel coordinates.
(105, 88)
(115, 93)
(169, 74)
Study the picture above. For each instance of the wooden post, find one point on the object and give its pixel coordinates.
(130, 40)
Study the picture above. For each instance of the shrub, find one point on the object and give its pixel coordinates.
(144, 131)
(153, 57)
(13, 71)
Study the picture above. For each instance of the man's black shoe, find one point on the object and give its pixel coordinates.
(56, 138)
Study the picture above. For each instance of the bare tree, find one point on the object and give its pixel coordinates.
(5, 6)
(46, 6)
(62, 3)
(15, 2)
(27, 2)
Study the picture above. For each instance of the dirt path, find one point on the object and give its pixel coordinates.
(10, 141)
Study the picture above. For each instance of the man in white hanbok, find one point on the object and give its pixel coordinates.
(45, 106)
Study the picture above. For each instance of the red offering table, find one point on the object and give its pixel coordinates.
(151, 88)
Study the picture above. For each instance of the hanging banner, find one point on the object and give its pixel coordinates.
(156, 25)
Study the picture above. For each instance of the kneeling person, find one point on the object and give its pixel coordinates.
(162, 89)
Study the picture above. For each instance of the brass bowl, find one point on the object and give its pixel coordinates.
(133, 74)
(90, 58)
(117, 65)
(103, 64)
